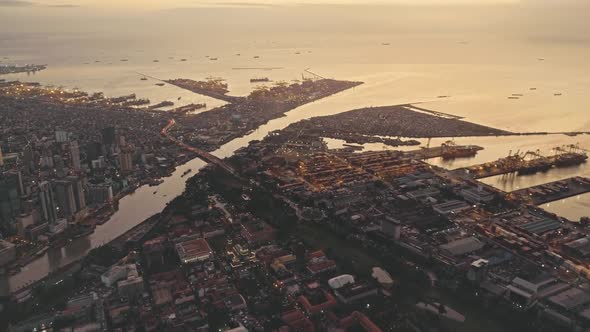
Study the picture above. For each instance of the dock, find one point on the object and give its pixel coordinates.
(554, 191)
(522, 164)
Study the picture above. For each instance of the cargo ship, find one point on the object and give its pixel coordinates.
(570, 159)
(534, 167)
(259, 79)
(452, 152)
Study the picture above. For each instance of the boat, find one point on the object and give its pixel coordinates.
(143, 78)
(443, 96)
(297, 52)
(165, 103)
(534, 167)
(570, 159)
(179, 98)
(512, 97)
(353, 147)
(155, 192)
(238, 54)
(183, 60)
(532, 89)
(259, 79)
(156, 60)
(385, 44)
(186, 172)
(557, 94)
(517, 94)
(160, 84)
(213, 59)
(452, 152)
(256, 57)
(124, 60)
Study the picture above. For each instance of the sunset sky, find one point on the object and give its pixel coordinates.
(154, 4)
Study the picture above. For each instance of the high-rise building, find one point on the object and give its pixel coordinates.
(75, 156)
(17, 178)
(7, 252)
(109, 136)
(47, 199)
(61, 136)
(100, 193)
(10, 199)
(22, 222)
(29, 159)
(79, 195)
(64, 198)
(93, 151)
(391, 227)
(126, 161)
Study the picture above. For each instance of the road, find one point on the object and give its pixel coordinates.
(204, 155)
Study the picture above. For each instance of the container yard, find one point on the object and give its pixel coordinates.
(554, 191)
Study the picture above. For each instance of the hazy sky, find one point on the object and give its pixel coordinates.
(155, 4)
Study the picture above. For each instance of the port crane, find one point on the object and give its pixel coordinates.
(533, 155)
(577, 149)
(571, 148)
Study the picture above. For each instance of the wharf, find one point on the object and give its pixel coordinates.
(517, 164)
(554, 191)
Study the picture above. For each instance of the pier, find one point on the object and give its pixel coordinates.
(553, 191)
(524, 164)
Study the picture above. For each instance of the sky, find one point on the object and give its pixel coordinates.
(160, 4)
